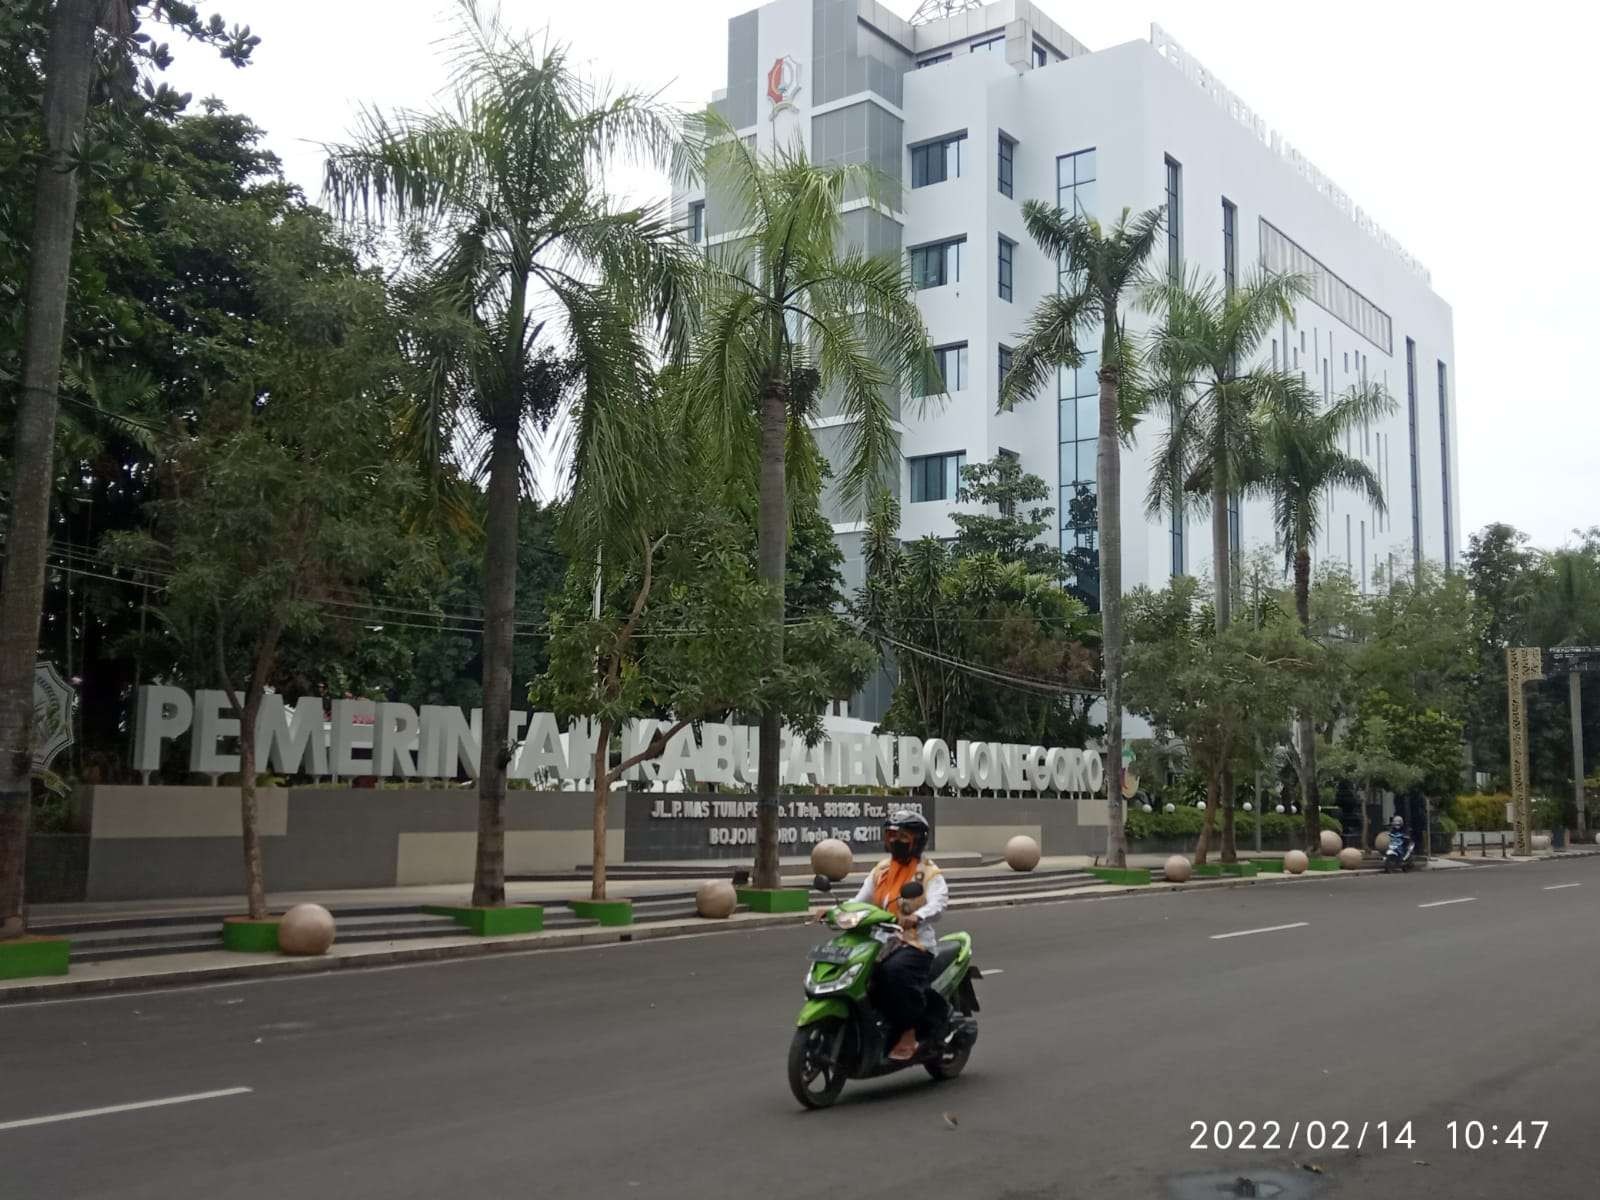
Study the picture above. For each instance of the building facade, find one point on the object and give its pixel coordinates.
(971, 114)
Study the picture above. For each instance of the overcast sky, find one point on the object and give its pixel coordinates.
(1462, 128)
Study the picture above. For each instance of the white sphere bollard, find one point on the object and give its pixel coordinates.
(1022, 853)
(1178, 869)
(1171, 808)
(715, 898)
(1148, 807)
(1349, 858)
(1199, 803)
(1295, 862)
(1330, 842)
(1597, 837)
(1541, 842)
(1280, 808)
(306, 929)
(1248, 807)
(832, 859)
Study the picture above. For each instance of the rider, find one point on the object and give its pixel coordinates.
(1397, 834)
(903, 974)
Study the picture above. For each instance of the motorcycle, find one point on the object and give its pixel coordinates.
(1398, 856)
(840, 1035)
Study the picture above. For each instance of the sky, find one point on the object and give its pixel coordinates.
(1460, 127)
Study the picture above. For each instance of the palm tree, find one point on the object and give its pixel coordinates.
(1304, 464)
(1102, 265)
(531, 284)
(790, 316)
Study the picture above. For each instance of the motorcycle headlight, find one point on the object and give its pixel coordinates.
(838, 983)
(848, 920)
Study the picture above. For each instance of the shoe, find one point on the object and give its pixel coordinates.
(906, 1048)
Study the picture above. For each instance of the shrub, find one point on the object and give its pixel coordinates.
(1479, 812)
(1186, 823)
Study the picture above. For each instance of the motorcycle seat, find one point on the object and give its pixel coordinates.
(943, 957)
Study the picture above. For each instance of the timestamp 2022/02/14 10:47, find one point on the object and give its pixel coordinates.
(1273, 1135)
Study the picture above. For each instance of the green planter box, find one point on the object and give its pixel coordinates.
(607, 912)
(1273, 866)
(1208, 871)
(1124, 875)
(244, 936)
(1323, 864)
(27, 957)
(1244, 870)
(493, 922)
(774, 900)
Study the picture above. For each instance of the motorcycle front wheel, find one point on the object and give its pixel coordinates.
(814, 1077)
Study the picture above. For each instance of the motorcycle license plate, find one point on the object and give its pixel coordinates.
(830, 954)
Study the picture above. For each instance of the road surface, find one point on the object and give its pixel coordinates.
(656, 1070)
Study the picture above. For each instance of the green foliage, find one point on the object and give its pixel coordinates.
(1480, 812)
(1012, 520)
(1186, 822)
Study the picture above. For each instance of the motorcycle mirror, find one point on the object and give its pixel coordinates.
(911, 891)
(822, 884)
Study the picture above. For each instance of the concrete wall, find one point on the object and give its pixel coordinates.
(161, 842)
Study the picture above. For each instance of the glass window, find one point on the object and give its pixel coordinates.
(932, 60)
(1004, 360)
(988, 44)
(1416, 473)
(1041, 56)
(950, 365)
(697, 222)
(1444, 466)
(1174, 218)
(1279, 253)
(1007, 268)
(1230, 247)
(936, 476)
(1008, 165)
(937, 264)
(934, 162)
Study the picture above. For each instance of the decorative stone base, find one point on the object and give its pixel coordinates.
(607, 912)
(26, 957)
(774, 900)
(244, 936)
(493, 922)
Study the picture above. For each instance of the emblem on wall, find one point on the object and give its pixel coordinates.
(783, 84)
(53, 702)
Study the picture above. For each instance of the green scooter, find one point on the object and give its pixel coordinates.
(840, 1035)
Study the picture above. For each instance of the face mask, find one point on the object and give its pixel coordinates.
(900, 852)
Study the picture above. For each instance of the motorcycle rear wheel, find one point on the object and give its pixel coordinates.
(948, 1066)
(808, 1066)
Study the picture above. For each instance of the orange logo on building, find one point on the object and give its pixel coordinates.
(783, 83)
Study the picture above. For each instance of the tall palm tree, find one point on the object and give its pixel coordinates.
(791, 317)
(1304, 464)
(1103, 265)
(530, 283)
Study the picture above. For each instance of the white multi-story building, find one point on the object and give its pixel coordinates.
(981, 108)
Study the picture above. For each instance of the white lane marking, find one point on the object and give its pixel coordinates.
(1556, 887)
(991, 972)
(1442, 903)
(117, 1108)
(1217, 937)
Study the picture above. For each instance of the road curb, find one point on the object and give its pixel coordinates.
(558, 940)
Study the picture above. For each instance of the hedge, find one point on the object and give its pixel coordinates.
(1186, 823)
(1478, 812)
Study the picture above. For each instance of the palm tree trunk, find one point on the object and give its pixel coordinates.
(772, 535)
(1109, 519)
(1222, 571)
(69, 59)
(249, 814)
(500, 600)
(602, 795)
(1305, 730)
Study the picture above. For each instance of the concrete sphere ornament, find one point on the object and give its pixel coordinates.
(1597, 837)
(1280, 808)
(1022, 853)
(1178, 869)
(1331, 842)
(1200, 804)
(1349, 858)
(1248, 807)
(306, 929)
(1171, 807)
(715, 898)
(1381, 842)
(832, 858)
(1541, 842)
(1295, 862)
(1148, 807)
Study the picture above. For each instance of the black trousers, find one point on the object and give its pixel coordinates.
(901, 987)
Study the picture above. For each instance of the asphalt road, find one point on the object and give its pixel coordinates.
(656, 1070)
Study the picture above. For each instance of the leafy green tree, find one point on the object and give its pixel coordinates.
(791, 317)
(1302, 465)
(1221, 692)
(1013, 519)
(1104, 266)
(531, 286)
(61, 153)
(284, 504)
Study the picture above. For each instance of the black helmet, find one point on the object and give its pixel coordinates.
(912, 822)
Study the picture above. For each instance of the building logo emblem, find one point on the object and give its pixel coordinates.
(783, 84)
